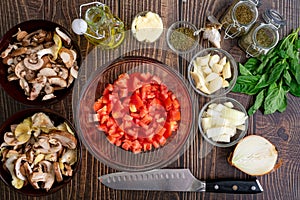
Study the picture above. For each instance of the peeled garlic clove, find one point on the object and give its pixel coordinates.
(213, 60)
(206, 69)
(212, 76)
(225, 83)
(215, 84)
(202, 61)
(205, 89)
(254, 155)
(226, 70)
(223, 61)
(217, 68)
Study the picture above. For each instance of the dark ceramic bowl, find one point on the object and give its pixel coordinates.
(57, 119)
(13, 88)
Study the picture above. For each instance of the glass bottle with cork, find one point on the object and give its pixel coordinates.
(263, 36)
(239, 17)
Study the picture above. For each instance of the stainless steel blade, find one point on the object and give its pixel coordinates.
(158, 180)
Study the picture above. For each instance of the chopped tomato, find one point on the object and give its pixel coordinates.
(137, 112)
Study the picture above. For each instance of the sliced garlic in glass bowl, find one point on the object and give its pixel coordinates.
(212, 72)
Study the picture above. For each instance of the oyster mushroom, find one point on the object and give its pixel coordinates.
(42, 121)
(11, 140)
(64, 36)
(9, 164)
(66, 139)
(69, 157)
(38, 64)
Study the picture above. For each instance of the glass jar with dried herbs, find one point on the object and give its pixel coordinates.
(239, 17)
(263, 36)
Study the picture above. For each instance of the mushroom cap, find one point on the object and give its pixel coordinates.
(66, 138)
(33, 66)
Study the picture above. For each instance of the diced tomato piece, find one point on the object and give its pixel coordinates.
(146, 119)
(98, 105)
(104, 118)
(110, 122)
(161, 140)
(103, 127)
(147, 146)
(126, 145)
(160, 130)
(168, 103)
(136, 151)
(176, 104)
(174, 115)
(118, 143)
(136, 100)
(155, 144)
(111, 139)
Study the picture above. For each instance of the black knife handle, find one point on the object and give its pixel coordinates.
(233, 186)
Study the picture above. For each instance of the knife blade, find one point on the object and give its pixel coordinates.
(177, 180)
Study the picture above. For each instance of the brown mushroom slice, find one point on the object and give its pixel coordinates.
(58, 174)
(37, 85)
(50, 174)
(33, 66)
(6, 52)
(19, 51)
(67, 57)
(36, 177)
(58, 81)
(63, 73)
(8, 60)
(66, 139)
(74, 71)
(25, 86)
(63, 35)
(19, 68)
(11, 140)
(48, 96)
(48, 72)
(12, 77)
(18, 167)
(48, 88)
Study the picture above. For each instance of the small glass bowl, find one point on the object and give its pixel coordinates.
(233, 66)
(182, 24)
(239, 133)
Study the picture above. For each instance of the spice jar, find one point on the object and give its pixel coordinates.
(239, 18)
(100, 26)
(262, 37)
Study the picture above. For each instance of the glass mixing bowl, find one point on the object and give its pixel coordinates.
(116, 157)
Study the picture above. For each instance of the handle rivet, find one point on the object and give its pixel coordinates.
(235, 187)
(216, 187)
(253, 188)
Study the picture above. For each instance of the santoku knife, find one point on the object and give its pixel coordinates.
(177, 180)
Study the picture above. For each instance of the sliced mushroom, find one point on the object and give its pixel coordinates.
(50, 174)
(58, 174)
(58, 81)
(66, 139)
(8, 60)
(63, 35)
(74, 71)
(48, 72)
(19, 51)
(30, 156)
(48, 96)
(37, 177)
(18, 167)
(30, 75)
(19, 68)
(51, 157)
(9, 164)
(67, 57)
(37, 85)
(63, 73)
(24, 85)
(12, 77)
(11, 140)
(6, 52)
(33, 66)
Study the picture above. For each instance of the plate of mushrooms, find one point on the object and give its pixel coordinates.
(39, 152)
(38, 62)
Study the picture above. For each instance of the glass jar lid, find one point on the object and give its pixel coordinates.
(273, 17)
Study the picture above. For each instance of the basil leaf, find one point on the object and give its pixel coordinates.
(250, 80)
(244, 71)
(297, 44)
(295, 88)
(258, 102)
(246, 89)
(262, 81)
(276, 72)
(252, 64)
(262, 67)
(275, 99)
(287, 77)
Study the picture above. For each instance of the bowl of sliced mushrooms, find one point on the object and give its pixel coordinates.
(40, 152)
(39, 62)
(212, 72)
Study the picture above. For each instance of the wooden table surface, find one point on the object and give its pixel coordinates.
(205, 162)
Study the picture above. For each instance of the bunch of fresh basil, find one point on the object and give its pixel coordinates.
(270, 77)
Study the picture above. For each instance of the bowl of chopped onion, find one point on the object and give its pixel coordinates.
(212, 72)
(223, 122)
